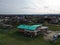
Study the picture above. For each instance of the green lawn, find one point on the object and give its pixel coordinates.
(13, 37)
(54, 28)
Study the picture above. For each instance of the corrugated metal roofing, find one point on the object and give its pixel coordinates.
(28, 27)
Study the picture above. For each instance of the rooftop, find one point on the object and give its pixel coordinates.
(29, 27)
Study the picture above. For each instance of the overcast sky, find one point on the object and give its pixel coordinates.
(29, 6)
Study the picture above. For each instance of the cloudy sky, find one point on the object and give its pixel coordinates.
(29, 6)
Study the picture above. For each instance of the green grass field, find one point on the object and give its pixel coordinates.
(13, 37)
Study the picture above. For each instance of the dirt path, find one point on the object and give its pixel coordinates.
(50, 35)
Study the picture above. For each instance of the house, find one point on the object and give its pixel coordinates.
(32, 30)
(54, 21)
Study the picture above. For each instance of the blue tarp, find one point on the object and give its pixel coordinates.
(28, 27)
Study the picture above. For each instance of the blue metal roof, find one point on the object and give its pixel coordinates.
(28, 27)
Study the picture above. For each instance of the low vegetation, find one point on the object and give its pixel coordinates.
(13, 37)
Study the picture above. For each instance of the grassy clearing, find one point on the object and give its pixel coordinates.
(54, 27)
(13, 37)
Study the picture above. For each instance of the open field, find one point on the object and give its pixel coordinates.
(13, 37)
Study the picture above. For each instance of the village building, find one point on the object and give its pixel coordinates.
(32, 30)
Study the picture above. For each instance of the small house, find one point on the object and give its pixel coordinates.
(32, 30)
(54, 20)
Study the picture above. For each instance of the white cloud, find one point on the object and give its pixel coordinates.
(29, 6)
